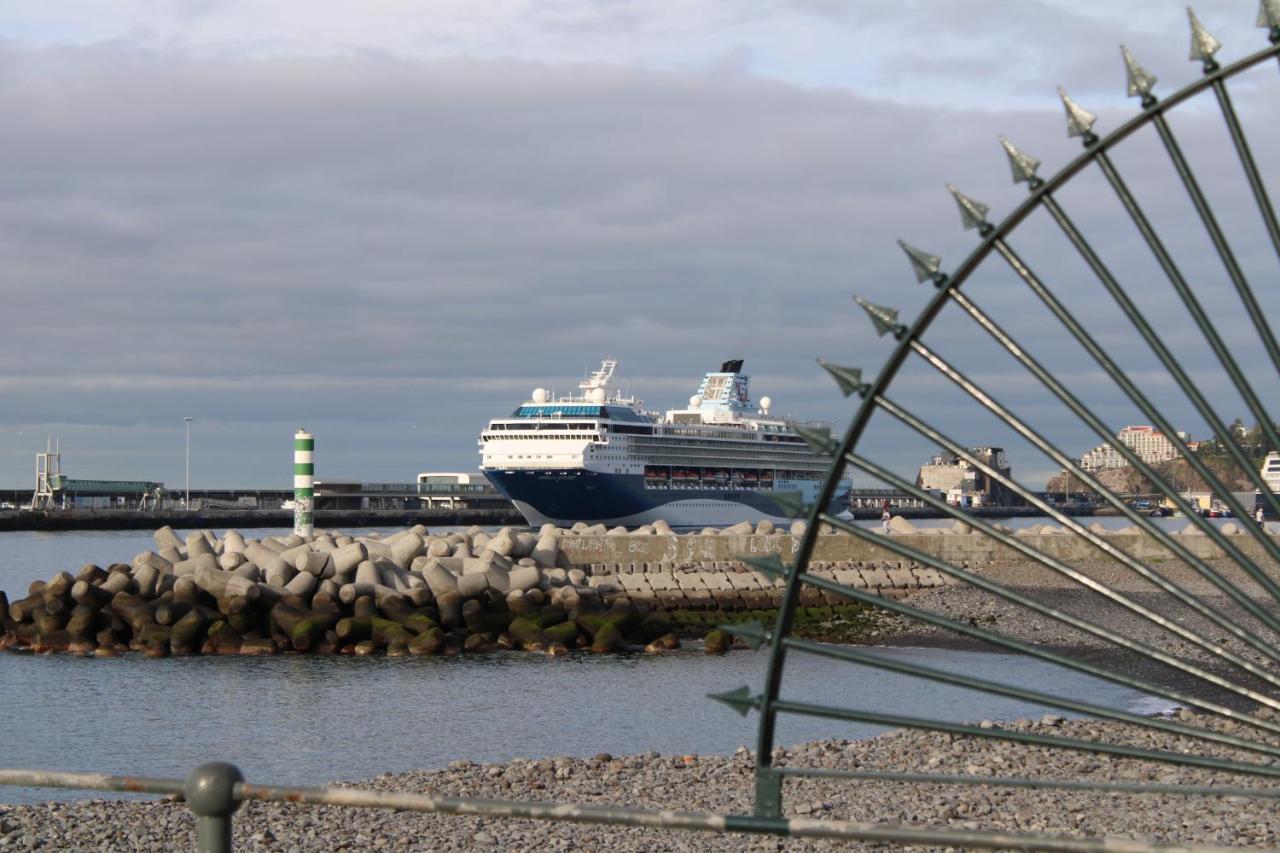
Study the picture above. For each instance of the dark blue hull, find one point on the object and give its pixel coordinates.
(566, 496)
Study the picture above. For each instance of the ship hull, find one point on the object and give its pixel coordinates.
(563, 497)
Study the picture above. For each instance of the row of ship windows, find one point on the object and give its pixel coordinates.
(654, 443)
(693, 463)
(656, 432)
(747, 446)
(728, 456)
(523, 427)
(592, 437)
(660, 473)
(729, 460)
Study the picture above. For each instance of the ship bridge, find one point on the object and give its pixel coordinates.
(577, 410)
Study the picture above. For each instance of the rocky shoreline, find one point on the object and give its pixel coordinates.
(410, 593)
(722, 784)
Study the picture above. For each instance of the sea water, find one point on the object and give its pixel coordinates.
(310, 720)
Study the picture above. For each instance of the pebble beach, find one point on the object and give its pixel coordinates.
(714, 783)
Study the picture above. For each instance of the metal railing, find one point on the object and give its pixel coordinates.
(1219, 634)
(215, 791)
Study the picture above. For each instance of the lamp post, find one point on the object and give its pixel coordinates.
(186, 500)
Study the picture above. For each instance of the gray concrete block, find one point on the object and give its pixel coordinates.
(876, 578)
(926, 577)
(634, 583)
(902, 578)
(850, 578)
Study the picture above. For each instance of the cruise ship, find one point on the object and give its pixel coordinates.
(598, 456)
(1271, 472)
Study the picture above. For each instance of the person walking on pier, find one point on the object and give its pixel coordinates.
(884, 518)
(1258, 514)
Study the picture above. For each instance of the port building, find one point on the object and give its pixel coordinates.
(964, 484)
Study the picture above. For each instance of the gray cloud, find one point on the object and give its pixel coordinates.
(391, 252)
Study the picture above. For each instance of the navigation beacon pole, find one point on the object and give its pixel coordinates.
(304, 445)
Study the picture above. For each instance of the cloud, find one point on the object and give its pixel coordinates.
(392, 249)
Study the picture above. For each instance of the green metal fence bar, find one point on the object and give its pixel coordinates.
(1206, 327)
(1204, 49)
(1122, 381)
(1074, 744)
(1042, 784)
(1159, 535)
(848, 654)
(1158, 347)
(1077, 407)
(768, 785)
(964, 629)
(1223, 248)
(1247, 163)
(1014, 597)
(215, 790)
(1078, 577)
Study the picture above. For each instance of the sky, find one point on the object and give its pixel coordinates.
(387, 222)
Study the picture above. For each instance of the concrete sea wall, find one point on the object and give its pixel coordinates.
(706, 570)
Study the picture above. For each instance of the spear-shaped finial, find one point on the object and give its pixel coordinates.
(1203, 44)
(848, 378)
(739, 700)
(1079, 120)
(769, 565)
(973, 214)
(884, 319)
(818, 438)
(753, 633)
(1269, 14)
(925, 265)
(1140, 80)
(1022, 164)
(792, 505)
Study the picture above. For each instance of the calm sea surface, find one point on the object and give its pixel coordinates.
(312, 720)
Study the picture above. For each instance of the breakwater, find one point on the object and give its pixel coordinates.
(416, 593)
(618, 550)
(407, 593)
(123, 519)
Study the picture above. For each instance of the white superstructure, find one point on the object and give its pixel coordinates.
(599, 455)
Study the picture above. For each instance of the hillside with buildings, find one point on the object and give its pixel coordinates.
(1127, 481)
(1157, 450)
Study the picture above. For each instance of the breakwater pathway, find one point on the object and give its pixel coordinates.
(309, 720)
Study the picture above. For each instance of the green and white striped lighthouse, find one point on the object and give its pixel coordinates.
(304, 446)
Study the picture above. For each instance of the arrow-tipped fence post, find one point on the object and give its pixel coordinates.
(884, 319)
(1079, 120)
(1140, 81)
(1021, 164)
(848, 378)
(924, 265)
(973, 214)
(1269, 19)
(1203, 44)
